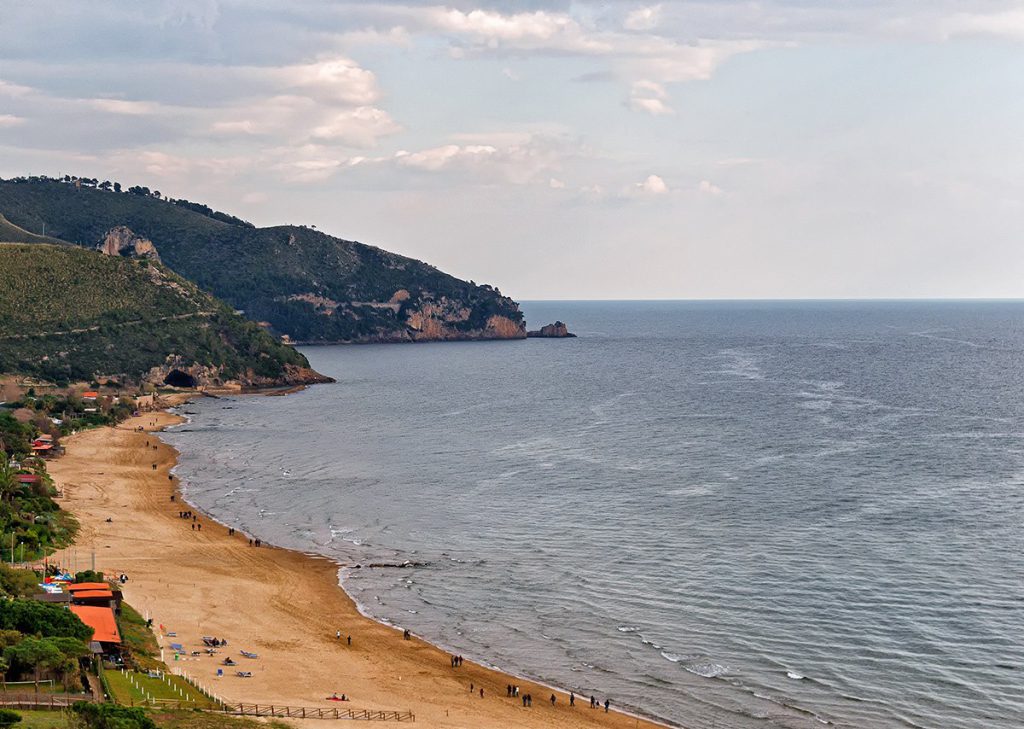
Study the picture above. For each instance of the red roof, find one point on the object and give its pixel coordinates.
(79, 594)
(90, 393)
(88, 586)
(39, 446)
(101, 620)
(27, 478)
(45, 437)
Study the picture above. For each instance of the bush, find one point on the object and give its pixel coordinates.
(111, 716)
(9, 718)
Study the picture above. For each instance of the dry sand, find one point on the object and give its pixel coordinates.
(283, 605)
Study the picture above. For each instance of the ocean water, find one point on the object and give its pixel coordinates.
(738, 514)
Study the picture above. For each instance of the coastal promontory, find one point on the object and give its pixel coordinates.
(305, 285)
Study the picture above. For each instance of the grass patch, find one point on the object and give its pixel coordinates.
(43, 720)
(131, 689)
(203, 720)
(139, 638)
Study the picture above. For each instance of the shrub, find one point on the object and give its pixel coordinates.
(111, 716)
(9, 718)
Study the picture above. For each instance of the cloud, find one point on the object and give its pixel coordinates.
(1007, 24)
(128, 108)
(643, 18)
(555, 184)
(537, 30)
(9, 120)
(653, 185)
(359, 127)
(649, 96)
(706, 187)
(334, 80)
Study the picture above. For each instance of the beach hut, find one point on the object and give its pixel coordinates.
(106, 639)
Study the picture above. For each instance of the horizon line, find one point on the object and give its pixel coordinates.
(880, 299)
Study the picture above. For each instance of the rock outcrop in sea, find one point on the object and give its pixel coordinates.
(558, 330)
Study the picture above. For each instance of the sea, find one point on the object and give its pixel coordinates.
(717, 514)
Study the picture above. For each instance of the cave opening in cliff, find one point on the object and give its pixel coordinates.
(177, 378)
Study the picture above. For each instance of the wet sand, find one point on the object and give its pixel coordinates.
(283, 605)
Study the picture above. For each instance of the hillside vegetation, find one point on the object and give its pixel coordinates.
(71, 314)
(306, 284)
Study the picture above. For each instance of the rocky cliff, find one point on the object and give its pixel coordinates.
(121, 241)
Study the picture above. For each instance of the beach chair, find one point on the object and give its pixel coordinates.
(229, 662)
(177, 647)
(247, 654)
(243, 674)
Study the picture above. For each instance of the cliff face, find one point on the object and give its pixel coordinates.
(121, 241)
(180, 372)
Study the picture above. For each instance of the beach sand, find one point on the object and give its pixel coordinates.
(283, 605)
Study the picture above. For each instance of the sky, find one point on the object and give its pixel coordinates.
(561, 150)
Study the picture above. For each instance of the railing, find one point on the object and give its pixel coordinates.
(305, 712)
(41, 701)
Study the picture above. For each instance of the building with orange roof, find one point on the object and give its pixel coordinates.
(106, 638)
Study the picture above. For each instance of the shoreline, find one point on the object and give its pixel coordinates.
(284, 604)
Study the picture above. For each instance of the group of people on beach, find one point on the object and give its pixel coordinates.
(196, 524)
(255, 542)
(456, 661)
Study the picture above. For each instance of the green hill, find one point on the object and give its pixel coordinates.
(11, 233)
(308, 285)
(72, 314)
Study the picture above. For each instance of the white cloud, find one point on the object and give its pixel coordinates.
(1007, 24)
(555, 184)
(9, 120)
(540, 29)
(653, 185)
(707, 187)
(359, 127)
(333, 80)
(643, 18)
(128, 108)
(650, 97)
(509, 74)
(14, 90)
(447, 156)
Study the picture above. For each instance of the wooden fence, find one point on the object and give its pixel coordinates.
(306, 712)
(40, 701)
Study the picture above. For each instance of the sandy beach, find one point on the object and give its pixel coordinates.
(283, 605)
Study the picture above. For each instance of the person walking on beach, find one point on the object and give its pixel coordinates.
(193, 527)
(572, 699)
(524, 701)
(552, 699)
(593, 702)
(606, 702)
(508, 690)
(338, 635)
(350, 640)
(481, 693)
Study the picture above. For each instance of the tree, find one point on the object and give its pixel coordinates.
(8, 479)
(117, 187)
(41, 618)
(35, 653)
